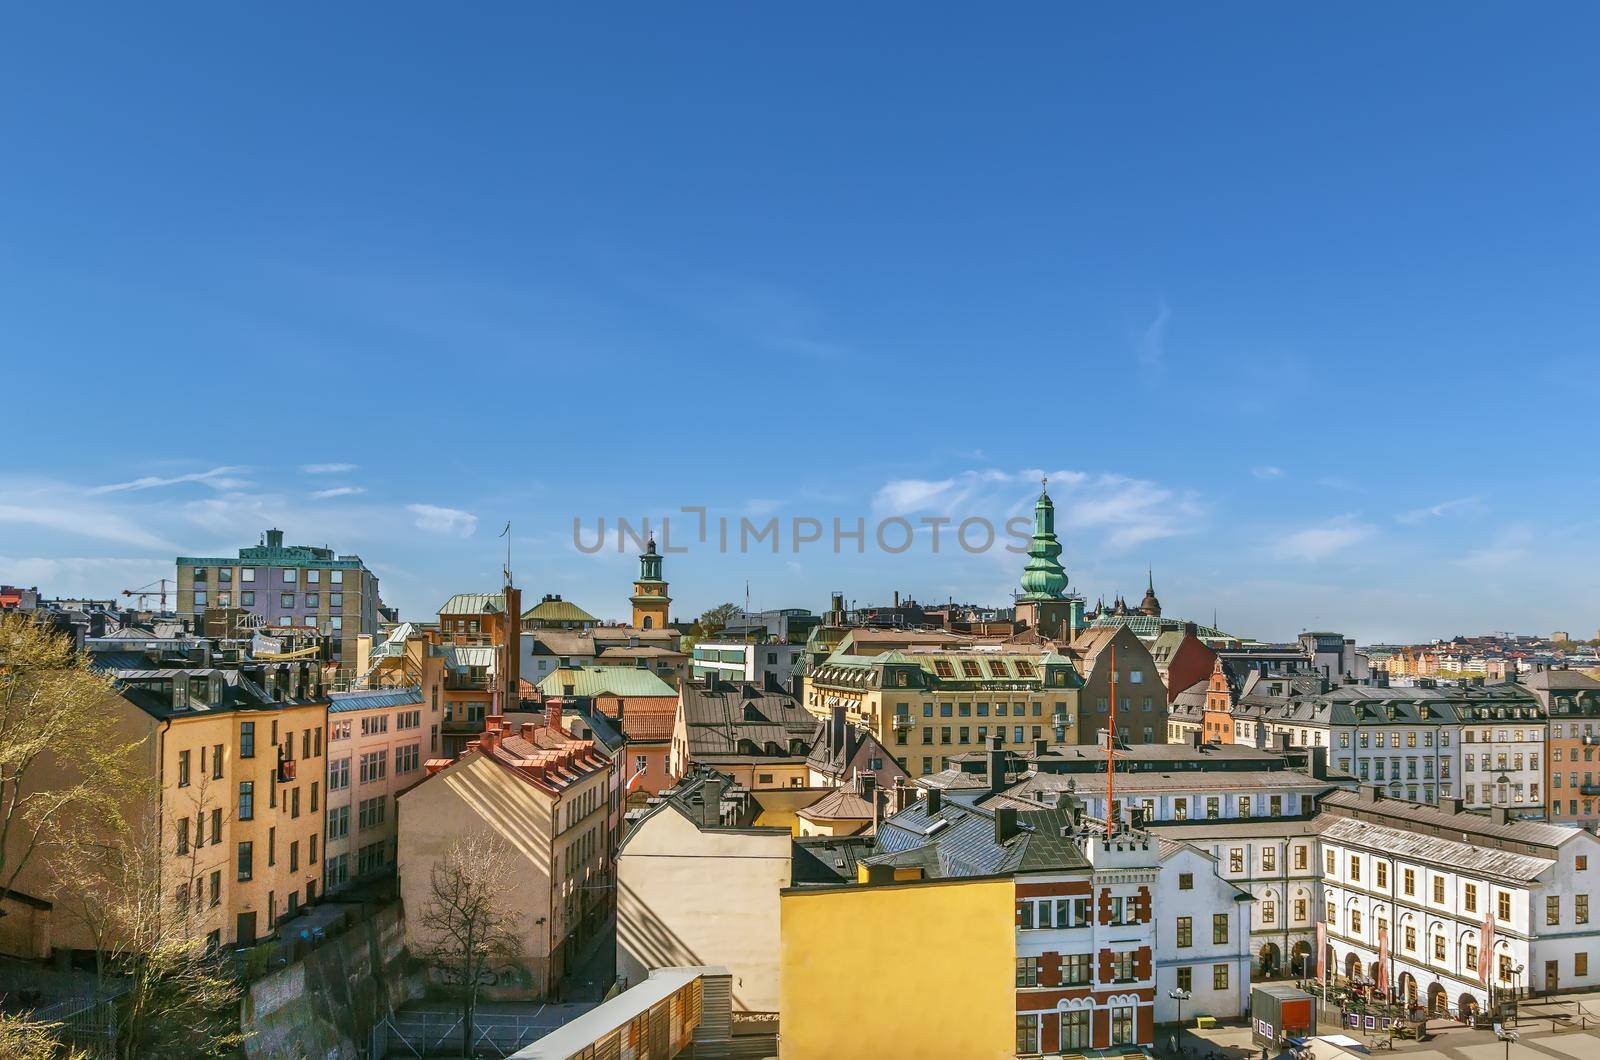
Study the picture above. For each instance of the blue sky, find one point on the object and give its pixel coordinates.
(1295, 305)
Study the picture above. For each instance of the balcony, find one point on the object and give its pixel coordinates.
(286, 770)
(902, 722)
(1589, 789)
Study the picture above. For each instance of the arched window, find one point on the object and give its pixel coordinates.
(649, 622)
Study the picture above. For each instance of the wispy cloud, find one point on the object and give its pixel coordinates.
(1317, 543)
(1509, 548)
(337, 491)
(327, 469)
(1460, 506)
(1267, 471)
(1152, 345)
(95, 524)
(217, 478)
(1118, 511)
(451, 522)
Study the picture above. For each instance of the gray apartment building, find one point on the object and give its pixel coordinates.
(290, 586)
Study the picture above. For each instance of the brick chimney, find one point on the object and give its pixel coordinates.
(552, 713)
(490, 739)
(528, 729)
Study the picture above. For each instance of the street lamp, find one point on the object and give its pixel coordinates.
(1516, 991)
(1179, 995)
(1506, 1036)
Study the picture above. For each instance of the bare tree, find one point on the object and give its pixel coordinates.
(60, 758)
(469, 932)
(179, 999)
(23, 1038)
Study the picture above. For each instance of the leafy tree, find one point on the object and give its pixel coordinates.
(716, 618)
(23, 1038)
(471, 931)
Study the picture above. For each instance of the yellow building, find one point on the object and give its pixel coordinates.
(235, 749)
(898, 967)
(549, 797)
(927, 703)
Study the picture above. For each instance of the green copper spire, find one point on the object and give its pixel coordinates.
(1044, 578)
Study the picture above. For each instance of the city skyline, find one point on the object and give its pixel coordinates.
(1284, 302)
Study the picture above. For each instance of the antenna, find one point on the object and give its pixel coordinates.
(506, 533)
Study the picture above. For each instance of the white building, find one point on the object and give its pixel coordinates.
(738, 661)
(1202, 936)
(1502, 757)
(1429, 878)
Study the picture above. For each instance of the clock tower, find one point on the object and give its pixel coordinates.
(650, 600)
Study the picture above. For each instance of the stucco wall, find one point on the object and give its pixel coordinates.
(690, 897)
(858, 973)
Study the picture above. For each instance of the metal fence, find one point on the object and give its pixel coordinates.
(430, 1033)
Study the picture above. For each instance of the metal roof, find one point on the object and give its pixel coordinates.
(558, 610)
(374, 698)
(473, 604)
(623, 681)
(1435, 850)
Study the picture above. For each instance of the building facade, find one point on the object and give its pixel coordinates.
(293, 586)
(377, 743)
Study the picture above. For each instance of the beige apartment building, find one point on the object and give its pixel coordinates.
(377, 743)
(926, 703)
(548, 796)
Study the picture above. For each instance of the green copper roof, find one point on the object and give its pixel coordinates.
(622, 681)
(1044, 578)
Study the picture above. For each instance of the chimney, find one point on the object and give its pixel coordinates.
(433, 765)
(1381, 677)
(511, 652)
(997, 765)
(1500, 815)
(1371, 793)
(1190, 629)
(1451, 804)
(711, 800)
(836, 731)
(867, 784)
(552, 713)
(274, 538)
(1319, 763)
(1511, 673)
(902, 795)
(1005, 823)
(897, 598)
(489, 740)
(528, 729)
(935, 800)
(1195, 738)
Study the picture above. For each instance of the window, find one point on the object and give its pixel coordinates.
(313, 599)
(339, 774)
(1185, 978)
(247, 800)
(1503, 906)
(1027, 1033)
(1581, 862)
(247, 598)
(338, 822)
(289, 575)
(1383, 874)
(335, 601)
(246, 860)
(1219, 928)
(1269, 859)
(1438, 947)
(1185, 881)
(216, 888)
(1469, 897)
(216, 826)
(1185, 931)
(1075, 969)
(1269, 911)
(1330, 859)
(1408, 881)
(1219, 977)
(1027, 971)
(1235, 859)
(1438, 888)
(1581, 908)
(1122, 1029)
(1411, 938)
(1122, 965)
(1580, 963)
(216, 761)
(247, 574)
(183, 835)
(199, 598)
(286, 601)
(183, 769)
(1355, 867)
(336, 577)
(1075, 1028)
(1552, 909)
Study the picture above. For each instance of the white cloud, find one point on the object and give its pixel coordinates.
(326, 469)
(337, 491)
(1267, 471)
(99, 577)
(762, 506)
(82, 521)
(1459, 506)
(1152, 349)
(452, 522)
(1317, 543)
(217, 478)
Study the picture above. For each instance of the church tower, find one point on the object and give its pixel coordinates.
(650, 600)
(1044, 603)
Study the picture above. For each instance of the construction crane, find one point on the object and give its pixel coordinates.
(153, 589)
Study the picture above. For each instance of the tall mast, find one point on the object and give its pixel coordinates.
(1111, 747)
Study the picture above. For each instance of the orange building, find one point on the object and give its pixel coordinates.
(1217, 721)
(643, 707)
